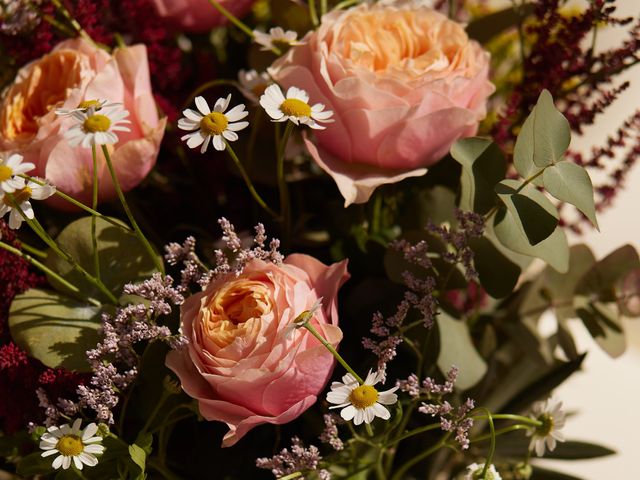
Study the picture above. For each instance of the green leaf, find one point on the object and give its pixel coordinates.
(488, 261)
(457, 348)
(605, 327)
(554, 249)
(53, 328)
(138, 456)
(576, 450)
(34, 464)
(532, 211)
(545, 474)
(544, 138)
(486, 27)
(571, 183)
(145, 441)
(483, 166)
(602, 278)
(123, 259)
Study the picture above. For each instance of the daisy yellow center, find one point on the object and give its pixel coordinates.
(547, 425)
(19, 197)
(214, 123)
(293, 107)
(70, 445)
(5, 173)
(89, 103)
(97, 123)
(363, 396)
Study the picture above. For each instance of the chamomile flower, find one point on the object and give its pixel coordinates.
(276, 38)
(253, 84)
(216, 125)
(474, 472)
(552, 416)
(84, 106)
(93, 128)
(21, 198)
(361, 403)
(9, 171)
(72, 444)
(294, 107)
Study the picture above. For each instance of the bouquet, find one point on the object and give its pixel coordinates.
(273, 238)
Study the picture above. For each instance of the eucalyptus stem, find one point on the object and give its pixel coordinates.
(94, 205)
(127, 211)
(78, 204)
(313, 15)
(285, 207)
(400, 473)
(332, 350)
(42, 267)
(247, 180)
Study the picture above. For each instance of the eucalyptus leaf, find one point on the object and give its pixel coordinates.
(54, 328)
(457, 348)
(604, 327)
(554, 249)
(123, 259)
(488, 26)
(571, 183)
(516, 445)
(602, 278)
(498, 275)
(543, 139)
(483, 166)
(545, 474)
(532, 211)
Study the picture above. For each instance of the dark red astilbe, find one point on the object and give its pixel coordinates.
(581, 81)
(20, 375)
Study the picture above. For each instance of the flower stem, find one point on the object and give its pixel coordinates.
(94, 205)
(400, 473)
(332, 350)
(291, 476)
(285, 207)
(492, 448)
(206, 86)
(74, 23)
(515, 418)
(502, 431)
(127, 211)
(33, 250)
(44, 269)
(78, 204)
(247, 181)
(417, 431)
(313, 15)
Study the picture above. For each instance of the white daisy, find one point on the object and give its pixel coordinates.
(475, 472)
(294, 107)
(97, 128)
(253, 84)
(276, 38)
(9, 171)
(85, 105)
(72, 444)
(21, 197)
(214, 125)
(552, 416)
(361, 403)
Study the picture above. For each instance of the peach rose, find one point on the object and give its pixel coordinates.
(245, 363)
(199, 15)
(73, 72)
(404, 82)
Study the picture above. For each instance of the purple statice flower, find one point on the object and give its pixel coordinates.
(330, 433)
(296, 459)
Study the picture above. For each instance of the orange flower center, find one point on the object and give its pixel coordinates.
(97, 123)
(214, 123)
(363, 396)
(86, 104)
(19, 197)
(295, 108)
(5, 173)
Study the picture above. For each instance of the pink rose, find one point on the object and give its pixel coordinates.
(245, 363)
(404, 83)
(199, 15)
(73, 72)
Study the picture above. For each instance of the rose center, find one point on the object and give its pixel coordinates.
(295, 108)
(70, 445)
(90, 103)
(97, 123)
(19, 197)
(363, 396)
(5, 173)
(214, 123)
